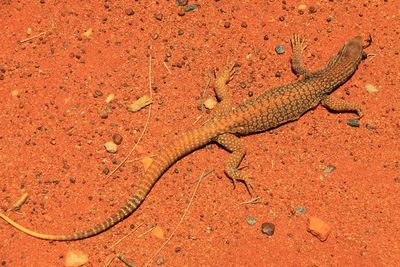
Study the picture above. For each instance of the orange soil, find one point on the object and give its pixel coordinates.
(52, 137)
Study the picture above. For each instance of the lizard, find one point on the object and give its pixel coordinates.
(269, 110)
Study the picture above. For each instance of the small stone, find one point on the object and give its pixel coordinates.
(300, 210)
(243, 85)
(181, 2)
(129, 12)
(106, 171)
(353, 123)
(251, 220)
(281, 18)
(319, 228)
(266, 37)
(178, 249)
(111, 147)
(14, 93)
(53, 141)
(181, 12)
(117, 139)
(190, 8)
(397, 180)
(329, 169)
(210, 103)
(102, 113)
(250, 93)
(312, 9)
(243, 24)
(302, 7)
(160, 260)
(158, 16)
(268, 228)
(97, 93)
(75, 258)
(329, 19)
(29, 31)
(42, 1)
(280, 49)
(370, 88)
(227, 24)
(181, 32)
(110, 98)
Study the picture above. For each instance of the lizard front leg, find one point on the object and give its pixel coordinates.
(341, 105)
(298, 45)
(233, 144)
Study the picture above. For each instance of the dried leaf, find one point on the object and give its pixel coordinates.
(140, 103)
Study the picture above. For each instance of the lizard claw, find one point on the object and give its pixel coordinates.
(298, 43)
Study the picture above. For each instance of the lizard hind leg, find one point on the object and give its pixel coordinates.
(233, 144)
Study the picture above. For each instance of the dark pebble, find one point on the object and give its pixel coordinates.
(98, 93)
(132, 226)
(158, 16)
(281, 18)
(227, 24)
(181, 32)
(2, 69)
(117, 139)
(266, 37)
(106, 171)
(1, 76)
(280, 49)
(243, 24)
(129, 12)
(278, 74)
(397, 180)
(268, 228)
(329, 19)
(250, 93)
(154, 36)
(353, 123)
(369, 126)
(301, 12)
(181, 2)
(72, 180)
(312, 9)
(243, 85)
(178, 249)
(190, 8)
(42, 1)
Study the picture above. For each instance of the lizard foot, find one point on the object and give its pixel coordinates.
(298, 43)
(237, 175)
(226, 74)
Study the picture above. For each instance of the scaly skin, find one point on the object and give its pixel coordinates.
(269, 110)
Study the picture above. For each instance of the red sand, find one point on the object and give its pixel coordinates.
(52, 137)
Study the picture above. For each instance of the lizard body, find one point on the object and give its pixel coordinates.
(270, 109)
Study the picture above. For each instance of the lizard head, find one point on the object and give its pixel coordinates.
(353, 49)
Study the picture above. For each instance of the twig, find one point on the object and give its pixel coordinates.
(166, 66)
(123, 238)
(251, 201)
(20, 202)
(204, 174)
(147, 231)
(37, 35)
(145, 126)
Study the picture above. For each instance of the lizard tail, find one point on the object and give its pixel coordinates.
(182, 146)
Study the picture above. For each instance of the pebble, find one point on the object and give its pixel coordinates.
(158, 16)
(268, 228)
(14, 93)
(280, 49)
(210, 103)
(312, 9)
(370, 88)
(353, 123)
(129, 12)
(102, 113)
(117, 139)
(329, 169)
(266, 37)
(319, 228)
(300, 210)
(397, 180)
(106, 171)
(243, 24)
(181, 2)
(243, 85)
(251, 220)
(227, 24)
(111, 147)
(75, 258)
(97, 93)
(190, 8)
(160, 260)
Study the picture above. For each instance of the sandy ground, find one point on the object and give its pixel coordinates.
(53, 91)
